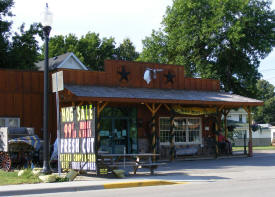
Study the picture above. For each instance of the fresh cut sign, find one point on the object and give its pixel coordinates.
(77, 143)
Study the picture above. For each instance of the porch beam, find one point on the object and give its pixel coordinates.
(103, 106)
(167, 107)
(148, 106)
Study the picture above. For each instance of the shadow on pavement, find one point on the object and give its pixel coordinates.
(260, 158)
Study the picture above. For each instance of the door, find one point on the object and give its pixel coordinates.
(120, 135)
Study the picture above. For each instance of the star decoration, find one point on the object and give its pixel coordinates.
(169, 77)
(123, 74)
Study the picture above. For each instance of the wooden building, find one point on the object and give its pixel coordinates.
(167, 113)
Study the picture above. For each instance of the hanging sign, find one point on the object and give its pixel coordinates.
(194, 110)
(77, 144)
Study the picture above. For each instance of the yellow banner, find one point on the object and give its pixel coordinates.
(193, 110)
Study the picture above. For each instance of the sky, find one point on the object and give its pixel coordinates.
(134, 19)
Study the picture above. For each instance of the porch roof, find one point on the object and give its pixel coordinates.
(125, 94)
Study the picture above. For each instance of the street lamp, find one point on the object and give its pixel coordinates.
(46, 22)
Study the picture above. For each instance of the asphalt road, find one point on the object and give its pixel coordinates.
(251, 177)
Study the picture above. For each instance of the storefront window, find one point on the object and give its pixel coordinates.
(187, 130)
(180, 130)
(194, 130)
(164, 126)
(118, 133)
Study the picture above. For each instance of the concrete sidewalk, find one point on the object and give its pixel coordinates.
(90, 183)
(177, 172)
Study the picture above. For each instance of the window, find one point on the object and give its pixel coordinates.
(187, 130)
(240, 118)
(9, 122)
(164, 126)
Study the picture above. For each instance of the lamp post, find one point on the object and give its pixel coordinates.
(46, 22)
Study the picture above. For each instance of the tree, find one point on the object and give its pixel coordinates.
(266, 113)
(126, 51)
(223, 40)
(91, 49)
(5, 25)
(24, 48)
(96, 50)
(60, 44)
(18, 51)
(154, 48)
(265, 92)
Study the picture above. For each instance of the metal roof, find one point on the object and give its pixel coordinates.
(160, 95)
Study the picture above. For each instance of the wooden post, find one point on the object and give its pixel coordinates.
(248, 111)
(99, 109)
(97, 126)
(250, 150)
(154, 110)
(154, 137)
(225, 113)
(218, 128)
(217, 140)
(97, 136)
(172, 136)
(172, 132)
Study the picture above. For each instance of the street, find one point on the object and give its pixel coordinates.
(251, 177)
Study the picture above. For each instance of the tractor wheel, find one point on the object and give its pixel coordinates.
(5, 161)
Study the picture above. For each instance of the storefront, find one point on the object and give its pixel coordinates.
(131, 107)
(168, 114)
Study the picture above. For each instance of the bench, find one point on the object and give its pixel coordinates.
(142, 160)
(187, 151)
(136, 166)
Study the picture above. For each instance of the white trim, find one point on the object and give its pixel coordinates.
(187, 133)
(75, 58)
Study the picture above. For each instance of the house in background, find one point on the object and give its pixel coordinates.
(238, 115)
(67, 60)
(263, 136)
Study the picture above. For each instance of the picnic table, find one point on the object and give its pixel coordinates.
(138, 160)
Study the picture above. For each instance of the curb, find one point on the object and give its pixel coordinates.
(140, 184)
(88, 187)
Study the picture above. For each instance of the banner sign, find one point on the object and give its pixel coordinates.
(77, 144)
(194, 110)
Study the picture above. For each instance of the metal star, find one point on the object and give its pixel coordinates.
(123, 74)
(169, 77)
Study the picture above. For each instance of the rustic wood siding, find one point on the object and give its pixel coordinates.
(21, 92)
(21, 95)
(111, 77)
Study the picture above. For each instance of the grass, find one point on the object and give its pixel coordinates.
(240, 148)
(12, 178)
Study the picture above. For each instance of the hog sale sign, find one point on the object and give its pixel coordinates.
(77, 143)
